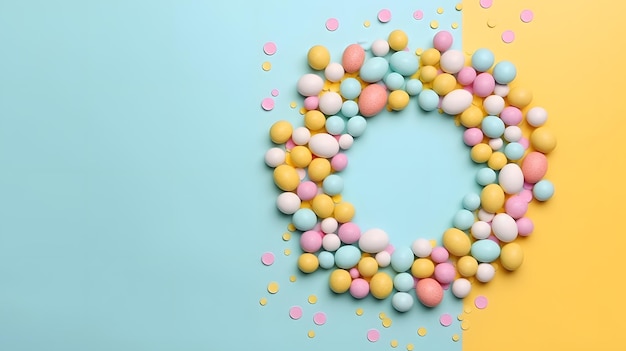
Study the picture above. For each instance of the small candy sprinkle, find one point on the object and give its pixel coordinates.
(526, 16)
(292, 278)
(410, 347)
(293, 104)
(480, 302)
(267, 104)
(263, 301)
(454, 25)
(386, 322)
(319, 318)
(332, 24)
(492, 22)
(311, 334)
(266, 66)
(455, 337)
(275, 92)
(373, 335)
(465, 325)
(286, 236)
(434, 24)
(366, 24)
(267, 258)
(382, 315)
(312, 299)
(269, 48)
(486, 3)
(508, 36)
(291, 227)
(445, 320)
(421, 331)
(295, 312)
(287, 252)
(359, 311)
(384, 15)
(418, 15)
(394, 343)
(459, 6)
(440, 10)
(272, 287)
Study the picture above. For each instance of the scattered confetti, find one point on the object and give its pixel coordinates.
(311, 334)
(293, 104)
(332, 24)
(526, 16)
(287, 252)
(508, 36)
(292, 278)
(319, 318)
(382, 315)
(421, 331)
(486, 3)
(418, 15)
(480, 302)
(295, 312)
(459, 6)
(454, 25)
(434, 24)
(440, 10)
(312, 299)
(387, 322)
(266, 66)
(272, 287)
(263, 301)
(465, 325)
(291, 227)
(286, 236)
(359, 311)
(275, 92)
(445, 320)
(267, 258)
(409, 347)
(394, 343)
(384, 15)
(492, 22)
(366, 24)
(455, 337)
(460, 317)
(373, 335)
(269, 48)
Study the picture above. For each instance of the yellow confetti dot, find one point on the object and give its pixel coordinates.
(440, 10)
(394, 343)
(263, 301)
(286, 236)
(336, 198)
(366, 24)
(287, 252)
(293, 104)
(266, 66)
(302, 112)
(491, 23)
(434, 24)
(419, 51)
(359, 311)
(312, 299)
(455, 337)
(409, 347)
(311, 334)
(460, 317)
(467, 309)
(272, 287)
(382, 315)
(459, 6)
(292, 278)
(387, 322)
(291, 227)
(465, 325)
(454, 25)
(421, 331)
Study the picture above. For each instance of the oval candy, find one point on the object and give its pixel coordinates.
(534, 167)
(511, 178)
(373, 240)
(456, 101)
(324, 145)
(504, 227)
(353, 58)
(372, 100)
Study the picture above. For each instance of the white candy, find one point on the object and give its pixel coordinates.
(536, 116)
(301, 135)
(511, 178)
(512, 133)
(331, 242)
(310, 84)
(330, 103)
(452, 61)
(380, 47)
(334, 72)
(373, 241)
(485, 216)
(329, 225)
(324, 145)
(346, 141)
(274, 157)
(480, 230)
(383, 258)
(496, 144)
(456, 101)
(504, 227)
(485, 272)
(288, 202)
(501, 90)
(421, 247)
(493, 104)
(461, 287)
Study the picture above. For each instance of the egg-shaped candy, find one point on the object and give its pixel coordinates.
(534, 167)
(512, 256)
(381, 285)
(456, 101)
(429, 292)
(339, 281)
(504, 227)
(324, 145)
(485, 250)
(373, 69)
(404, 62)
(288, 202)
(373, 240)
(511, 178)
(461, 287)
(402, 259)
(353, 58)
(372, 100)
(347, 256)
(310, 85)
(456, 242)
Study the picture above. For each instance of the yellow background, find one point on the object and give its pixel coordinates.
(568, 294)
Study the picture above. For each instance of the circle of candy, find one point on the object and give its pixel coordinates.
(307, 160)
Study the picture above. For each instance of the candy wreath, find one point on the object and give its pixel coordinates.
(338, 100)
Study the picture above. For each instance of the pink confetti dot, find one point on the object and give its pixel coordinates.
(267, 104)
(275, 92)
(269, 48)
(480, 302)
(384, 15)
(486, 3)
(267, 258)
(332, 24)
(508, 36)
(373, 335)
(418, 15)
(526, 16)
(295, 312)
(319, 318)
(445, 320)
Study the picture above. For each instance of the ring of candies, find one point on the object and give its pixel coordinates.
(308, 160)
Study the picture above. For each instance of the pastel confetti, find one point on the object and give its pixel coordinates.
(410, 347)
(267, 258)
(508, 36)
(319, 318)
(332, 24)
(486, 3)
(311, 334)
(480, 302)
(445, 320)
(434, 24)
(295, 312)
(359, 311)
(455, 337)
(384, 15)
(418, 15)
(269, 48)
(421, 331)
(312, 299)
(491, 23)
(526, 16)
(263, 301)
(275, 92)
(373, 335)
(272, 287)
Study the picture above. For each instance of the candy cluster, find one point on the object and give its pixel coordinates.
(308, 160)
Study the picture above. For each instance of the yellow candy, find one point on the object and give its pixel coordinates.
(308, 262)
(286, 177)
(456, 242)
(497, 160)
(319, 169)
(543, 140)
(319, 57)
(314, 120)
(281, 131)
(430, 57)
(492, 198)
(472, 117)
(519, 97)
(381, 285)
(398, 99)
(481, 153)
(367, 266)
(444, 83)
(301, 156)
(467, 266)
(511, 256)
(339, 281)
(398, 40)
(323, 205)
(422, 268)
(344, 212)
(428, 74)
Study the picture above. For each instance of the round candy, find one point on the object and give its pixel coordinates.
(304, 219)
(452, 61)
(413, 86)
(286, 177)
(428, 73)
(301, 136)
(536, 116)
(511, 115)
(306, 190)
(301, 156)
(445, 273)
(339, 281)
(493, 126)
(323, 205)
(326, 259)
(486, 176)
(442, 41)
(280, 132)
(519, 97)
(344, 212)
(350, 88)
(349, 233)
(480, 153)
(444, 83)
(534, 167)
(430, 57)
(485, 250)
(404, 63)
(402, 259)
(472, 117)
(314, 120)
(288, 202)
(504, 72)
(461, 288)
(331, 242)
(525, 226)
(473, 137)
(428, 100)
(480, 230)
(380, 47)
(512, 133)
(356, 126)
(463, 219)
(397, 40)
(353, 58)
(485, 272)
(402, 301)
(373, 240)
(429, 292)
(482, 60)
(367, 266)
(543, 190)
(381, 285)
(333, 184)
(422, 268)
(330, 103)
(339, 162)
(318, 57)
(319, 169)
(359, 288)
(516, 207)
(311, 241)
(403, 282)
(439, 254)
(511, 178)
(471, 201)
(347, 256)
(383, 258)
(394, 81)
(373, 99)
(335, 125)
(483, 85)
(492, 198)
(466, 75)
(373, 69)
(310, 84)
(349, 108)
(455, 101)
(398, 100)
(543, 140)
(456, 242)
(496, 144)
(514, 151)
(504, 227)
(421, 247)
(512, 256)
(467, 266)
(334, 72)
(274, 157)
(308, 262)
(493, 104)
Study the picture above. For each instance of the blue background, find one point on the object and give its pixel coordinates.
(134, 201)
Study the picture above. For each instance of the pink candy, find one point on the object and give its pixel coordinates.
(466, 75)
(306, 190)
(359, 288)
(442, 40)
(445, 273)
(516, 206)
(484, 85)
(525, 226)
(339, 162)
(349, 233)
(511, 116)
(311, 102)
(472, 136)
(439, 254)
(311, 241)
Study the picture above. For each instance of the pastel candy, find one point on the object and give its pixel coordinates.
(353, 58)
(456, 101)
(373, 240)
(511, 178)
(372, 100)
(534, 167)
(324, 145)
(504, 227)
(429, 292)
